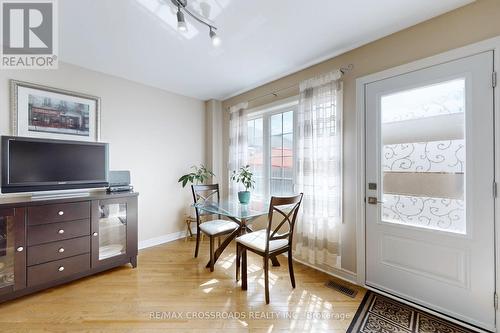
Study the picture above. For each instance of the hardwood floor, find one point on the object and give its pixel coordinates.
(170, 287)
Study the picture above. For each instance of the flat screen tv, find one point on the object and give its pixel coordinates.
(30, 165)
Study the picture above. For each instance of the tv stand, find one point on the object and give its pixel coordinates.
(45, 243)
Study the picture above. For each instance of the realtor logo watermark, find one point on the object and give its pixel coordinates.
(29, 34)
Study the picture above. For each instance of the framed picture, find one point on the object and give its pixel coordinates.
(44, 112)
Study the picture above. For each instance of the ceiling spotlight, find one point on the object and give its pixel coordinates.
(216, 41)
(181, 23)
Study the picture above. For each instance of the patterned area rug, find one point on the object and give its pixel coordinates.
(379, 314)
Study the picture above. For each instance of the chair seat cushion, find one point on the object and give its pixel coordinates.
(257, 241)
(214, 227)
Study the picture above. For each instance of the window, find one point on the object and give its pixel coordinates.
(256, 152)
(281, 180)
(270, 151)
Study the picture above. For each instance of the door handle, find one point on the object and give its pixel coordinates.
(374, 201)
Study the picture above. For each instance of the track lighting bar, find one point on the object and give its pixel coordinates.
(181, 23)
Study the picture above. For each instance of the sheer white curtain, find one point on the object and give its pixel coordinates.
(319, 170)
(238, 145)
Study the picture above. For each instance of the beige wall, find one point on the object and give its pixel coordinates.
(213, 140)
(466, 25)
(155, 134)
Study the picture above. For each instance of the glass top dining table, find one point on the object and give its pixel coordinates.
(234, 210)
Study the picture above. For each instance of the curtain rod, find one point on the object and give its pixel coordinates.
(343, 70)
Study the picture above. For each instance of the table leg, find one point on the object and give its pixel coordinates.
(244, 227)
(275, 261)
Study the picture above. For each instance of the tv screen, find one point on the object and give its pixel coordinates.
(41, 165)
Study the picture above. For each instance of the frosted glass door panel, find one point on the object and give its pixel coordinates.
(423, 156)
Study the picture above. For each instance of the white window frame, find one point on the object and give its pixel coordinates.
(266, 112)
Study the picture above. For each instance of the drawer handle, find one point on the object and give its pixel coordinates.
(61, 231)
(95, 234)
(60, 269)
(20, 249)
(61, 213)
(61, 250)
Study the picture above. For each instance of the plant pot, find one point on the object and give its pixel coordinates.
(244, 197)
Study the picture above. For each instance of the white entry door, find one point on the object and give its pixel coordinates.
(430, 176)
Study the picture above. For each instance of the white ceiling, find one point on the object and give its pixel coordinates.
(262, 39)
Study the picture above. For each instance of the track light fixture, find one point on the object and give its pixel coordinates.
(181, 23)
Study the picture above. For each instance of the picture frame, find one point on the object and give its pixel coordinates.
(40, 111)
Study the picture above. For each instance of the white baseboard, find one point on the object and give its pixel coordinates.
(161, 239)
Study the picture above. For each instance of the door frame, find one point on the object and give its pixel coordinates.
(492, 44)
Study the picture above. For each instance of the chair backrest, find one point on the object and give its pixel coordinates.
(203, 194)
(287, 207)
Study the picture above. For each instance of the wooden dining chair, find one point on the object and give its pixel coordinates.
(204, 194)
(268, 242)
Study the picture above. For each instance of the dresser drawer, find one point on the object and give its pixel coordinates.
(39, 234)
(40, 254)
(58, 212)
(55, 270)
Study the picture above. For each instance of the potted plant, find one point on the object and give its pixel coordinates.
(245, 177)
(199, 175)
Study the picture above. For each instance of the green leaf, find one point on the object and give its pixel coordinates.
(243, 176)
(200, 174)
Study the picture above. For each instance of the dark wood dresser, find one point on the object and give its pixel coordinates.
(44, 243)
